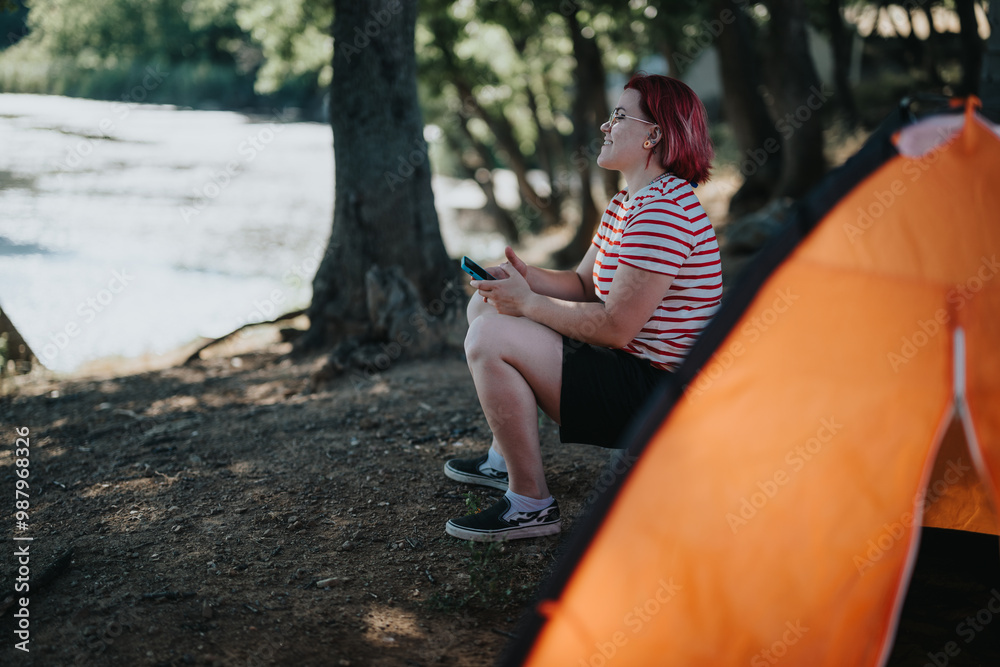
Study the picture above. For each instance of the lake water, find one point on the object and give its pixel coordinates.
(130, 229)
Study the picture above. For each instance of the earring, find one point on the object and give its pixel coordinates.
(647, 144)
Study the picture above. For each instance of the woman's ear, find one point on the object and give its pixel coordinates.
(654, 136)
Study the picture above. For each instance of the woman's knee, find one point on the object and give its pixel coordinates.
(477, 341)
(487, 337)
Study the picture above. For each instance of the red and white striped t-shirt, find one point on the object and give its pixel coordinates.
(665, 230)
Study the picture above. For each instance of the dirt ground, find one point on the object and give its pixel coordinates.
(224, 514)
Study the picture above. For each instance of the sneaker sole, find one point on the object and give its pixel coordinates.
(474, 479)
(502, 535)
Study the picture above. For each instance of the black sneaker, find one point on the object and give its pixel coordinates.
(468, 471)
(490, 526)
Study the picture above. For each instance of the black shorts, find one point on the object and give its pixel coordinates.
(602, 391)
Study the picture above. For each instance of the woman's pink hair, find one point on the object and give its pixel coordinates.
(672, 105)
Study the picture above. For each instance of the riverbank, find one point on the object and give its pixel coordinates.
(223, 514)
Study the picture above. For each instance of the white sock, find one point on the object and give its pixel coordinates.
(519, 503)
(495, 460)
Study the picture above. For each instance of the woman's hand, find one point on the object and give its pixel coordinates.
(510, 295)
(512, 261)
(515, 261)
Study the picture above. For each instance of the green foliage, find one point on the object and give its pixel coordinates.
(98, 32)
(472, 505)
(293, 38)
(503, 50)
(230, 53)
(500, 78)
(201, 84)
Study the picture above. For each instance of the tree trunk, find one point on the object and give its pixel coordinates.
(755, 133)
(386, 279)
(840, 41)
(670, 55)
(972, 47)
(505, 223)
(586, 124)
(16, 356)
(547, 151)
(798, 98)
(931, 48)
(509, 148)
(989, 85)
(507, 145)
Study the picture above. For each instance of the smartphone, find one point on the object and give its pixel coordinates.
(474, 270)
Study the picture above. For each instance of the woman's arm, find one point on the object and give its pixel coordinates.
(632, 300)
(575, 285)
(565, 285)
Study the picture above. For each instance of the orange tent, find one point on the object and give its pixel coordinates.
(847, 393)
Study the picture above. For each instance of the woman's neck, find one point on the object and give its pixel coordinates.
(639, 181)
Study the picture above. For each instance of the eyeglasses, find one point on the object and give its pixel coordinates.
(617, 116)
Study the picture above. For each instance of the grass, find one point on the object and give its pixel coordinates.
(497, 580)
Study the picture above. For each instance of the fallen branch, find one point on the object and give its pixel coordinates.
(197, 353)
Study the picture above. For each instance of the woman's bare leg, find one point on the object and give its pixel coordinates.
(517, 366)
(478, 307)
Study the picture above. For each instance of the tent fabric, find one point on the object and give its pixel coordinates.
(846, 393)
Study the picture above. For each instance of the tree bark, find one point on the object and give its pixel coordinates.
(15, 354)
(746, 112)
(798, 98)
(386, 277)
